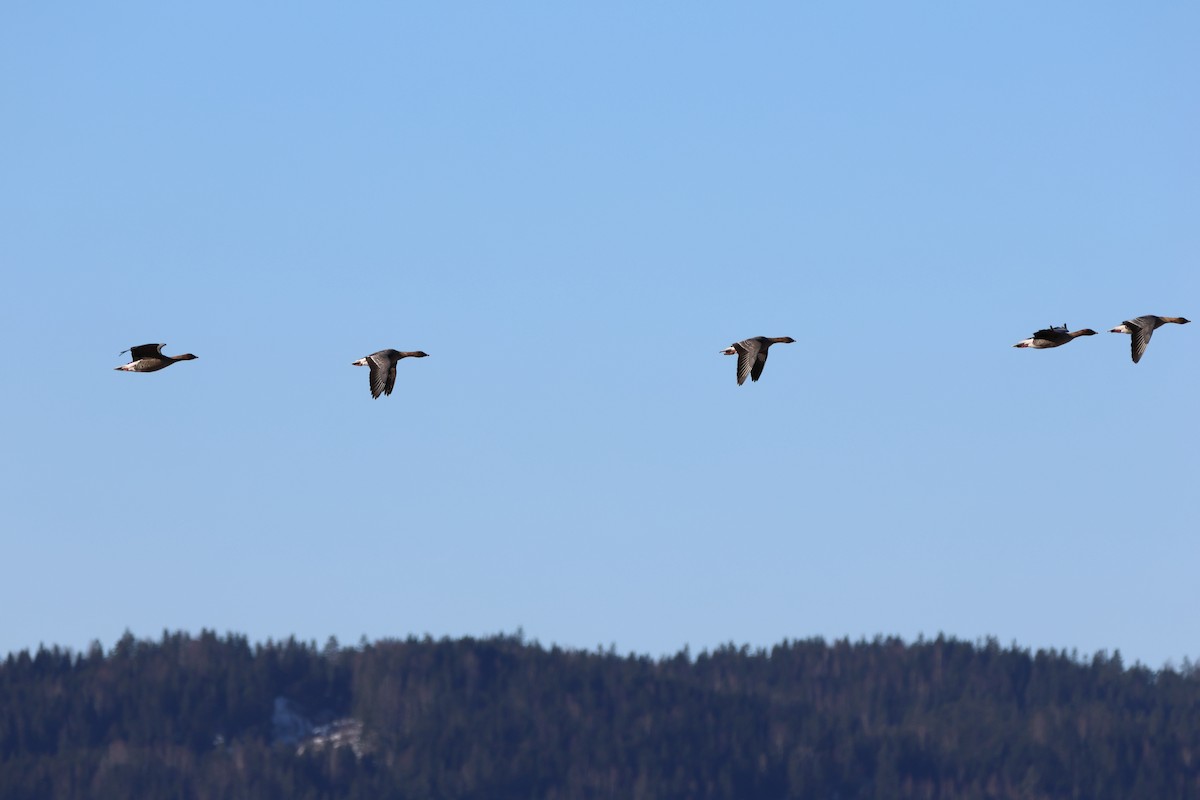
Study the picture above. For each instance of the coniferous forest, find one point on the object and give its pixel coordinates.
(217, 717)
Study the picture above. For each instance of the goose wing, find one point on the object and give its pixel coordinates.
(145, 351)
(1141, 330)
(748, 363)
(391, 378)
(760, 361)
(383, 374)
(1056, 335)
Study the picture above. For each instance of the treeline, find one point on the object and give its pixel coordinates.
(198, 717)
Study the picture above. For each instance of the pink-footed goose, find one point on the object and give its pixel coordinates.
(752, 355)
(1053, 337)
(1141, 328)
(150, 358)
(383, 368)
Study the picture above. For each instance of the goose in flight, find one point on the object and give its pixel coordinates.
(383, 368)
(1053, 337)
(752, 355)
(150, 358)
(1142, 328)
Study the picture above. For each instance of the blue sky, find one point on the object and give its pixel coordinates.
(573, 207)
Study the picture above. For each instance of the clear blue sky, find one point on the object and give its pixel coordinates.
(573, 207)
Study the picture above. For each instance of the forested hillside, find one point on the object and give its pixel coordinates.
(215, 717)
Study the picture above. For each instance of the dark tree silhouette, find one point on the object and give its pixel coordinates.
(201, 717)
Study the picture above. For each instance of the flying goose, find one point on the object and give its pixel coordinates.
(1142, 328)
(1052, 337)
(752, 355)
(150, 358)
(383, 368)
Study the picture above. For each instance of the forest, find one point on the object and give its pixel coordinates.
(208, 716)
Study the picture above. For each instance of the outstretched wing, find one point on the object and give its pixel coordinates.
(380, 368)
(747, 353)
(391, 378)
(145, 351)
(1140, 336)
(759, 363)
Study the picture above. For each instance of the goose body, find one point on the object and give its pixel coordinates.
(1053, 337)
(150, 358)
(1141, 328)
(383, 368)
(752, 355)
